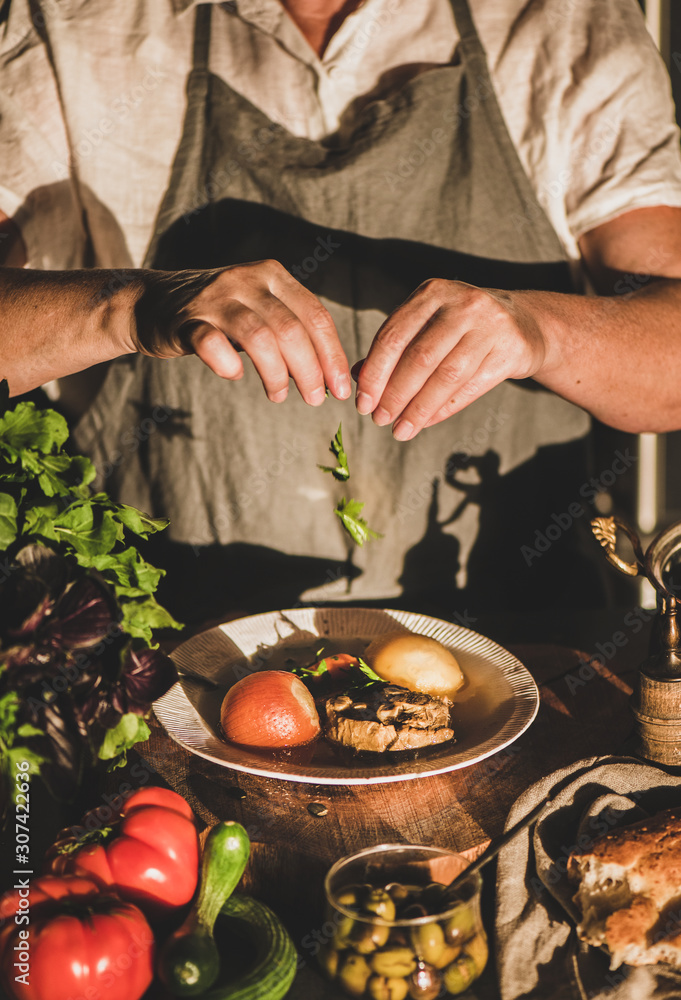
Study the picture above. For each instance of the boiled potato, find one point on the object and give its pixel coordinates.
(415, 662)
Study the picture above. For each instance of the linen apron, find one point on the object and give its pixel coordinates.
(424, 183)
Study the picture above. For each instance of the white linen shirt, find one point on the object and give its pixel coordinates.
(92, 101)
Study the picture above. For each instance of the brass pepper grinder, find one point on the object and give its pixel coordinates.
(656, 702)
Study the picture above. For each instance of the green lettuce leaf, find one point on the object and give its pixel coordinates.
(26, 427)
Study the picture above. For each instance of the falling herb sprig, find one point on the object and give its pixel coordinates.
(348, 510)
(340, 471)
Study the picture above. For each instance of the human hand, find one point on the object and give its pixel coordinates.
(443, 348)
(256, 308)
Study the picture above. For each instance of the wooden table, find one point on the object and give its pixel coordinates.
(298, 830)
(584, 711)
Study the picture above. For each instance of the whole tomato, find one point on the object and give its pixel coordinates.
(149, 856)
(73, 940)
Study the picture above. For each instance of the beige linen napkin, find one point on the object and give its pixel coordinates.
(539, 956)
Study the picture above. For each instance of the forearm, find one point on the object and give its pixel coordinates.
(619, 357)
(56, 323)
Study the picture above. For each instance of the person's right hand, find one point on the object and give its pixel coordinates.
(284, 329)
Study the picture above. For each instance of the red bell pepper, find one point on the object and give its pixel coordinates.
(149, 856)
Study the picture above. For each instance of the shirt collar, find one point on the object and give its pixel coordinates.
(181, 6)
(265, 14)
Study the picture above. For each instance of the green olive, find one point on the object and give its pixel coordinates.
(342, 937)
(328, 960)
(451, 952)
(397, 892)
(477, 949)
(380, 904)
(349, 896)
(459, 976)
(354, 975)
(393, 962)
(461, 925)
(368, 937)
(432, 897)
(428, 941)
(381, 988)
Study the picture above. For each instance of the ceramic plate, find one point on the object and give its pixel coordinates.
(496, 705)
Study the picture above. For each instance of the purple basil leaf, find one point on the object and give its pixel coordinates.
(83, 616)
(46, 565)
(119, 701)
(24, 603)
(147, 675)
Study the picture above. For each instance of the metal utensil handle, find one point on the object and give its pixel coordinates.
(495, 846)
(605, 530)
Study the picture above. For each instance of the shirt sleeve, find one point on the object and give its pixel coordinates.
(596, 130)
(36, 186)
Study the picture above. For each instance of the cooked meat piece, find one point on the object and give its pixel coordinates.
(387, 717)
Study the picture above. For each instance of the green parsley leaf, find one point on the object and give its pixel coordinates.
(349, 511)
(9, 706)
(87, 529)
(28, 730)
(133, 519)
(129, 730)
(10, 753)
(367, 671)
(140, 617)
(340, 471)
(40, 521)
(8, 520)
(129, 574)
(316, 670)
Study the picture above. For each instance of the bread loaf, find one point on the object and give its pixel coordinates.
(629, 891)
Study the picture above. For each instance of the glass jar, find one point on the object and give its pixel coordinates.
(388, 935)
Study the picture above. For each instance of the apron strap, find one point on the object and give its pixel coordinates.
(470, 40)
(201, 49)
(481, 92)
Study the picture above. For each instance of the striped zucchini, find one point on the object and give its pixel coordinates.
(276, 961)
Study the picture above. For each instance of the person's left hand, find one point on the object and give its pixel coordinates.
(443, 348)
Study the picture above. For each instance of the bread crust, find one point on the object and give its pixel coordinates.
(629, 891)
